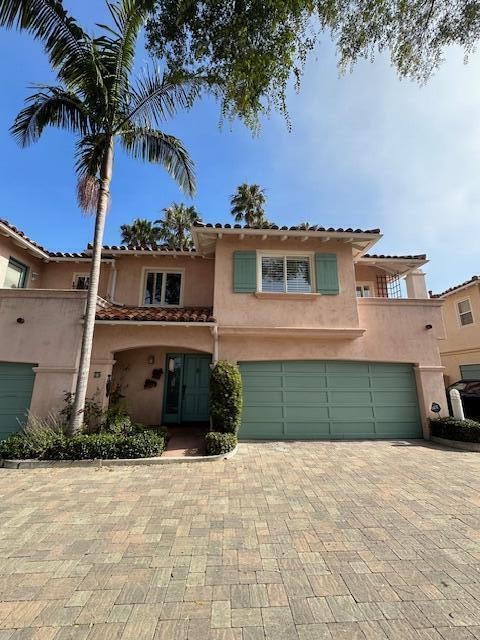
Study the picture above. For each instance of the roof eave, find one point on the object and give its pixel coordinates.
(22, 242)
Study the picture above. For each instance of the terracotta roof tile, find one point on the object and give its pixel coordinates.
(154, 314)
(421, 256)
(275, 227)
(457, 286)
(23, 235)
(159, 249)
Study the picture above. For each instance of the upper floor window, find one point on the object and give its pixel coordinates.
(465, 312)
(363, 290)
(16, 275)
(163, 288)
(81, 281)
(286, 274)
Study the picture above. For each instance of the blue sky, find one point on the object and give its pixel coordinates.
(366, 150)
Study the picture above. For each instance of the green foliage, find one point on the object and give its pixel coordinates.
(174, 230)
(107, 446)
(141, 233)
(95, 95)
(217, 443)
(91, 415)
(249, 51)
(247, 205)
(34, 438)
(454, 429)
(226, 397)
(116, 420)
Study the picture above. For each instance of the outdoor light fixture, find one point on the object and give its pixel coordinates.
(151, 359)
(428, 326)
(21, 320)
(171, 365)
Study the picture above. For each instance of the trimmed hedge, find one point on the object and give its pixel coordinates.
(454, 429)
(226, 397)
(144, 444)
(217, 443)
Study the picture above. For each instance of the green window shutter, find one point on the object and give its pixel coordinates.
(244, 271)
(326, 272)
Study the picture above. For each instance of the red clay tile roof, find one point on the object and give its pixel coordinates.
(275, 227)
(457, 286)
(22, 235)
(421, 256)
(154, 314)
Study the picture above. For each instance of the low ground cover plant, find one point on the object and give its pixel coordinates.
(106, 434)
(453, 429)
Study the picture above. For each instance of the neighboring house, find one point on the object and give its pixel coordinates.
(327, 346)
(460, 351)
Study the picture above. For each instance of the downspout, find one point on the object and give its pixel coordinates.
(214, 331)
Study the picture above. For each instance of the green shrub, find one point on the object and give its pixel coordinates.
(91, 416)
(34, 438)
(226, 397)
(454, 429)
(217, 443)
(107, 446)
(115, 420)
(15, 447)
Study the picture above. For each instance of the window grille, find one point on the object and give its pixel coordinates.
(388, 286)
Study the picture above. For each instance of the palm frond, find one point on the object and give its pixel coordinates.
(157, 147)
(47, 20)
(52, 106)
(156, 97)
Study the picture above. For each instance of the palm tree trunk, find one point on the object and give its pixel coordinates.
(89, 322)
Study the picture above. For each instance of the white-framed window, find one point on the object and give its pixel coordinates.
(81, 281)
(364, 290)
(285, 273)
(162, 287)
(465, 312)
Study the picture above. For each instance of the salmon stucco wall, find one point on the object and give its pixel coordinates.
(49, 338)
(247, 309)
(462, 343)
(35, 266)
(60, 275)
(197, 285)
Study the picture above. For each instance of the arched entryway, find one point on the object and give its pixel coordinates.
(162, 384)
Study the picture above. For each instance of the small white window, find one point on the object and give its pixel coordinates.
(80, 281)
(162, 288)
(465, 312)
(363, 290)
(286, 274)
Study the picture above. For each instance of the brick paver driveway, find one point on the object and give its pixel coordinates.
(302, 540)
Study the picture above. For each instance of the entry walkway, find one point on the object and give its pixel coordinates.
(185, 440)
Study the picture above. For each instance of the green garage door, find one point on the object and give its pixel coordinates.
(328, 400)
(16, 385)
(470, 371)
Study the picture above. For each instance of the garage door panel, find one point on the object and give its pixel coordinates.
(262, 430)
(328, 399)
(300, 381)
(353, 429)
(295, 430)
(350, 413)
(311, 367)
(261, 412)
(265, 396)
(305, 397)
(313, 412)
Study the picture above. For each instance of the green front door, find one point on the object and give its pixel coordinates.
(186, 388)
(328, 400)
(16, 386)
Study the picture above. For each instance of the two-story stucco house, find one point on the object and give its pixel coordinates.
(460, 350)
(326, 346)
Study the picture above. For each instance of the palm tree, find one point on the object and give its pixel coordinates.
(141, 233)
(96, 99)
(174, 229)
(247, 205)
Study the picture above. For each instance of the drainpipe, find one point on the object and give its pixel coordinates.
(113, 282)
(214, 331)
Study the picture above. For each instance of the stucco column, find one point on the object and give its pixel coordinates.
(431, 389)
(100, 370)
(416, 286)
(49, 389)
